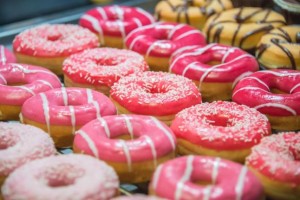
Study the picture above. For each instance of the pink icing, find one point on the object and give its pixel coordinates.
(67, 106)
(54, 40)
(103, 66)
(175, 179)
(277, 157)
(115, 20)
(163, 38)
(255, 91)
(221, 125)
(32, 80)
(150, 139)
(6, 56)
(138, 197)
(62, 177)
(191, 62)
(155, 93)
(20, 144)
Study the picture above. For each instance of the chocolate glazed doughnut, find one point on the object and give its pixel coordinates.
(241, 27)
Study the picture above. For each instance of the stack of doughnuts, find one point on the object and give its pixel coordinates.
(185, 114)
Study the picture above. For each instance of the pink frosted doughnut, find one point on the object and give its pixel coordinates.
(275, 93)
(157, 42)
(275, 161)
(150, 142)
(18, 82)
(137, 197)
(114, 23)
(154, 93)
(214, 68)
(62, 111)
(49, 45)
(20, 144)
(177, 179)
(6, 56)
(100, 68)
(221, 128)
(62, 177)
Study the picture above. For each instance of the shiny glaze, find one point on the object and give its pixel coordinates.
(115, 20)
(67, 107)
(54, 40)
(163, 38)
(150, 139)
(103, 66)
(277, 157)
(216, 27)
(20, 144)
(255, 91)
(221, 125)
(155, 93)
(6, 56)
(175, 179)
(61, 177)
(18, 82)
(192, 63)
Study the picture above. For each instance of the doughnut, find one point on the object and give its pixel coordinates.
(192, 12)
(214, 68)
(18, 82)
(62, 177)
(158, 94)
(241, 27)
(100, 68)
(132, 144)
(275, 93)
(222, 129)
(157, 42)
(6, 56)
(60, 112)
(113, 23)
(48, 45)
(20, 144)
(137, 197)
(200, 177)
(275, 162)
(280, 48)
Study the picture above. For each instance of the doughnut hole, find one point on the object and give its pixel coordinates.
(155, 88)
(54, 37)
(7, 141)
(61, 175)
(219, 120)
(108, 62)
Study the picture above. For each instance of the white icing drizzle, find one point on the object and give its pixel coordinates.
(240, 183)
(96, 26)
(137, 30)
(186, 176)
(89, 142)
(20, 117)
(90, 98)
(26, 89)
(122, 30)
(277, 105)
(45, 105)
(127, 154)
(207, 192)
(279, 74)
(228, 52)
(247, 88)
(191, 32)
(105, 126)
(191, 65)
(73, 118)
(237, 79)
(156, 177)
(173, 30)
(260, 81)
(137, 22)
(4, 80)
(64, 96)
(167, 133)
(295, 87)
(151, 19)
(102, 13)
(181, 50)
(129, 126)
(151, 47)
(2, 55)
(119, 12)
(135, 40)
(216, 66)
(215, 170)
(153, 150)
(46, 83)
(28, 71)
(195, 53)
